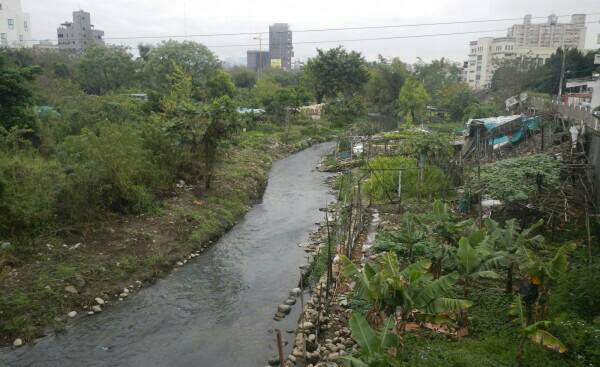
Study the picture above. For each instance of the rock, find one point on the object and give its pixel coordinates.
(125, 290)
(99, 301)
(295, 292)
(290, 301)
(285, 309)
(71, 289)
(79, 281)
(179, 263)
(306, 325)
(96, 308)
(72, 314)
(123, 295)
(18, 342)
(273, 361)
(312, 337)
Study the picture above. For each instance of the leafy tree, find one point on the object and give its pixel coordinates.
(577, 64)
(480, 110)
(336, 72)
(436, 76)
(16, 95)
(413, 98)
(105, 69)
(193, 58)
(222, 116)
(456, 98)
(385, 81)
(243, 77)
(344, 111)
(219, 85)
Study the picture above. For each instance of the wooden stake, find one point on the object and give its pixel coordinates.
(280, 348)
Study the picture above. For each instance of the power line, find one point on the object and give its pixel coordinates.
(314, 30)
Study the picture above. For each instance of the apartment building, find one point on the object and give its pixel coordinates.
(15, 27)
(527, 43)
(79, 34)
(550, 34)
(258, 60)
(281, 49)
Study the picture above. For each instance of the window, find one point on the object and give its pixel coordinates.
(3, 39)
(25, 24)
(11, 24)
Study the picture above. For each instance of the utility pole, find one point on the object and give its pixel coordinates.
(260, 55)
(562, 67)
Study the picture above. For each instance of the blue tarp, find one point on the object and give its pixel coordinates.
(529, 123)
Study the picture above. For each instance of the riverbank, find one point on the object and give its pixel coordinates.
(103, 262)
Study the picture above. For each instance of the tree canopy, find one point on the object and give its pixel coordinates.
(336, 71)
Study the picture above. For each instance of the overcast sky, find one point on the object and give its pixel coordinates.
(127, 18)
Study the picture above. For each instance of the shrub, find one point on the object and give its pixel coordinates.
(29, 188)
(384, 178)
(109, 169)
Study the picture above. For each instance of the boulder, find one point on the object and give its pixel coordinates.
(18, 342)
(71, 289)
(99, 301)
(72, 314)
(285, 309)
(96, 308)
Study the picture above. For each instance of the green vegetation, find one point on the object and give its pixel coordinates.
(517, 179)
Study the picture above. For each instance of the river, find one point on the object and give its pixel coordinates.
(218, 309)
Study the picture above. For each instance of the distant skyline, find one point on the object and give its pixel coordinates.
(132, 18)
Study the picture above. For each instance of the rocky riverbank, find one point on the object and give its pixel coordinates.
(323, 334)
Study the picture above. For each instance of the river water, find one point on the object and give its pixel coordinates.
(218, 309)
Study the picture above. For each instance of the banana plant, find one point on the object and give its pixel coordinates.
(545, 273)
(377, 349)
(474, 263)
(444, 224)
(405, 292)
(536, 332)
(512, 242)
(410, 234)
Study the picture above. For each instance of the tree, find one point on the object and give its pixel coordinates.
(16, 96)
(436, 76)
(105, 69)
(193, 58)
(336, 72)
(243, 77)
(413, 98)
(385, 81)
(456, 98)
(219, 85)
(222, 115)
(480, 110)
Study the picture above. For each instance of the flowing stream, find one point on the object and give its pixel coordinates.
(218, 309)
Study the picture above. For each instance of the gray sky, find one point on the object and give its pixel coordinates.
(126, 18)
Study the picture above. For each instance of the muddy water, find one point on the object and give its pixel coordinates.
(217, 310)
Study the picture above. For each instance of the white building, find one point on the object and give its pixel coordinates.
(15, 28)
(550, 34)
(532, 44)
(79, 34)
